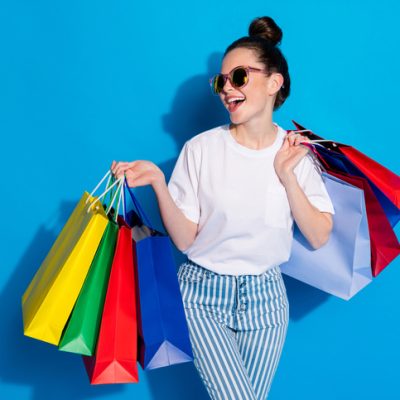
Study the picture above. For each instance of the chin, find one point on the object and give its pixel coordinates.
(237, 119)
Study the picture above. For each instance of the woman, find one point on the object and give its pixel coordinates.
(229, 206)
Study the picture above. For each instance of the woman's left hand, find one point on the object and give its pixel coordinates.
(289, 155)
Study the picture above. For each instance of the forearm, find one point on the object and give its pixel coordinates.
(181, 230)
(314, 224)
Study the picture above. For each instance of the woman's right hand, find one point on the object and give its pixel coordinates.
(138, 173)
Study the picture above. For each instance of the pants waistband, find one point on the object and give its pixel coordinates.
(271, 271)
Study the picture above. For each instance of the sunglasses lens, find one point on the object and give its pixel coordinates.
(239, 77)
(218, 83)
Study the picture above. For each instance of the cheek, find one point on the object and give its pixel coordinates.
(257, 100)
(257, 94)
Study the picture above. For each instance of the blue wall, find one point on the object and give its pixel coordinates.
(83, 83)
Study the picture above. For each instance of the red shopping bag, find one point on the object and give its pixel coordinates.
(384, 244)
(387, 181)
(115, 360)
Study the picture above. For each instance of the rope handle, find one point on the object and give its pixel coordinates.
(119, 183)
(315, 140)
(108, 174)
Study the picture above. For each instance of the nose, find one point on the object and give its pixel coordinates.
(227, 86)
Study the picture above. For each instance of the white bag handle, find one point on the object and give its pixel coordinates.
(120, 191)
(312, 141)
(99, 184)
(118, 182)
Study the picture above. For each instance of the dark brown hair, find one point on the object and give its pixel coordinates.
(264, 37)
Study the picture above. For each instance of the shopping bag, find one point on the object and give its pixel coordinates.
(384, 243)
(387, 181)
(331, 154)
(163, 332)
(342, 266)
(81, 332)
(115, 359)
(385, 246)
(52, 293)
(340, 162)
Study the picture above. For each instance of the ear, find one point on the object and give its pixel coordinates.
(275, 82)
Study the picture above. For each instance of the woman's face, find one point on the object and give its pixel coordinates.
(258, 94)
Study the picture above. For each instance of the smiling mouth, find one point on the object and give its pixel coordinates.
(234, 104)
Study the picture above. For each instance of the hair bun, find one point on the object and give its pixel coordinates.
(266, 28)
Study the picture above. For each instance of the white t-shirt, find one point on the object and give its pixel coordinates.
(233, 193)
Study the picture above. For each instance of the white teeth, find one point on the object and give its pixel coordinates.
(234, 99)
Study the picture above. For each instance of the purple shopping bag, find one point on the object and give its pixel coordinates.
(342, 266)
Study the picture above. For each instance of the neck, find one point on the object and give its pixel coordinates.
(255, 134)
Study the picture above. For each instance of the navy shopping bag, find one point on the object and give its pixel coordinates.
(335, 159)
(163, 332)
(342, 266)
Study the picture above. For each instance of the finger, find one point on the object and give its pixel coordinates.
(141, 179)
(115, 166)
(302, 151)
(119, 171)
(292, 134)
(292, 139)
(305, 140)
(133, 164)
(131, 177)
(121, 167)
(285, 144)
(118, 174)
(298, 140)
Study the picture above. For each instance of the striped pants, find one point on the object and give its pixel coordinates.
(237, 327)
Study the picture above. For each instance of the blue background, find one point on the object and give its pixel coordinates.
(86, 82)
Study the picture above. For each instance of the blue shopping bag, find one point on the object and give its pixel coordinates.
(163, 332)
(342, 266)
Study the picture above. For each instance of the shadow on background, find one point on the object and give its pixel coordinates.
(303, 298)
(51, 374)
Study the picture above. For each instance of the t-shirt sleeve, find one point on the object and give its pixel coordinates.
(184, 182)
(312, 183)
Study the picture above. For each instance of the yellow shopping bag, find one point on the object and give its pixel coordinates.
(50, 297)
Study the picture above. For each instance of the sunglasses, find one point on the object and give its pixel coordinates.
(238, 78)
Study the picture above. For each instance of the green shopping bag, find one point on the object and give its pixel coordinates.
(80, 334)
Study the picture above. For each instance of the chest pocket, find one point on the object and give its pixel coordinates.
(277, 209)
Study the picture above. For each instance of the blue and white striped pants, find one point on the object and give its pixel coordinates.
(237, 327)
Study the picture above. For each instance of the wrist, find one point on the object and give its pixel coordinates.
(288, 179)
(159, 183)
